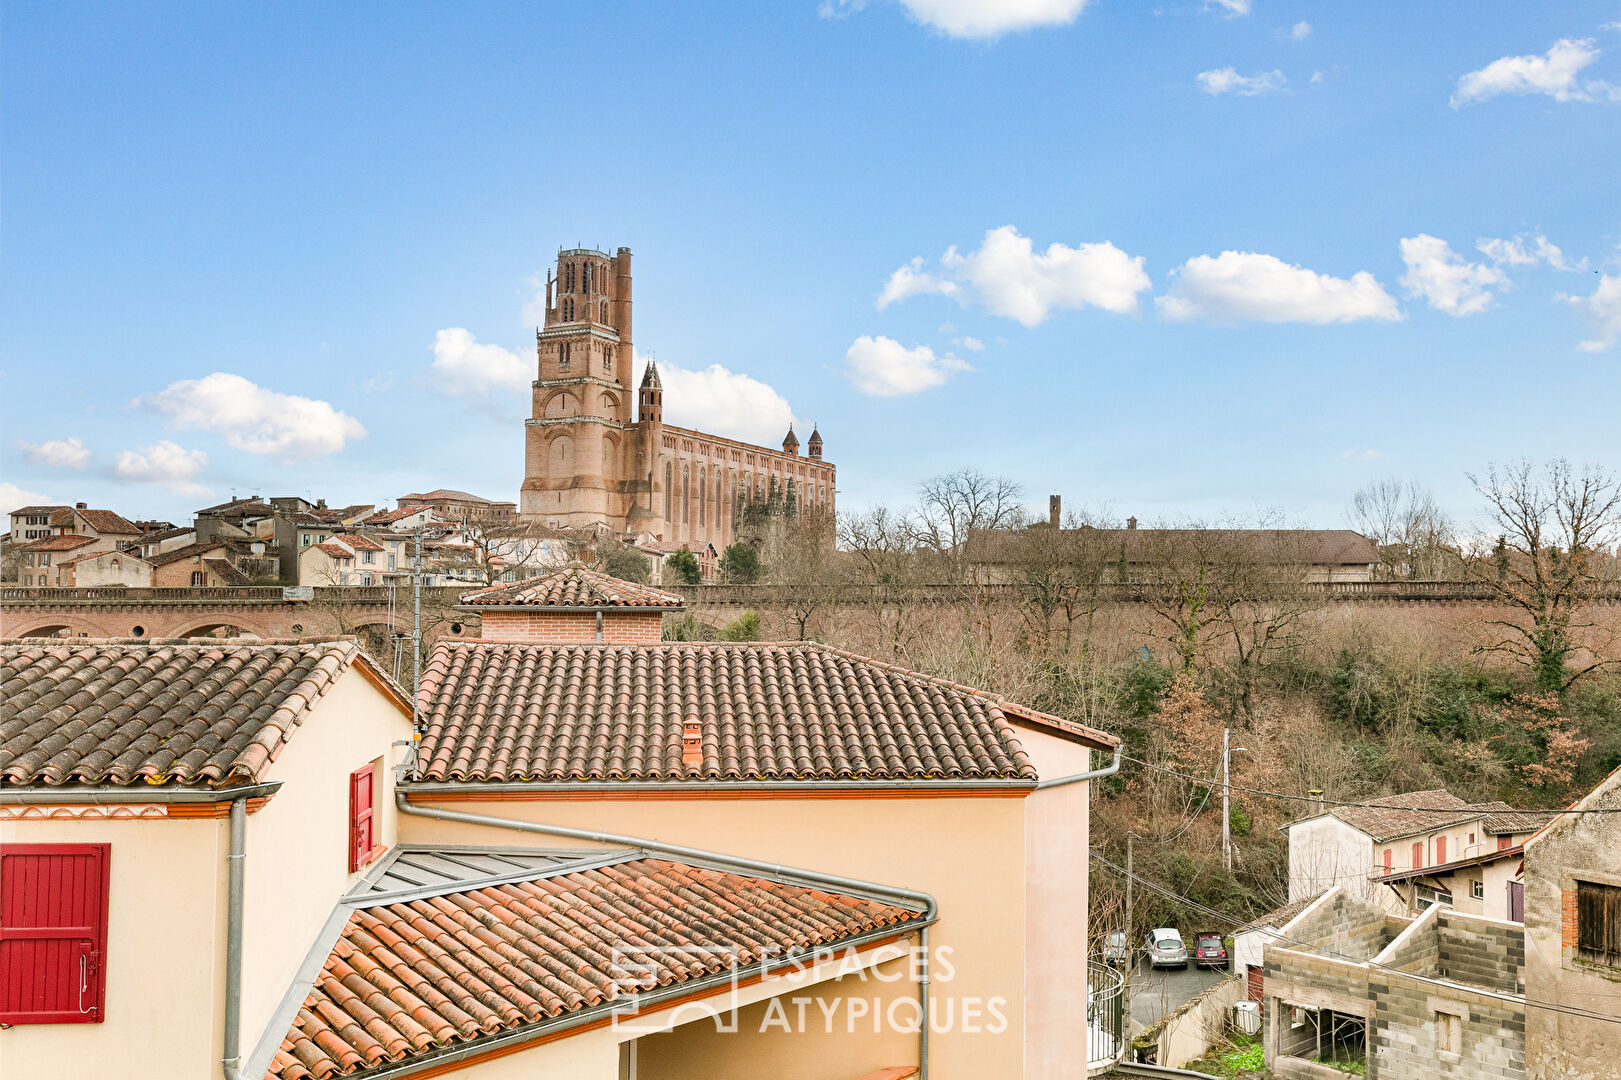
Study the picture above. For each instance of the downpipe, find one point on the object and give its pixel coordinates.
(931, 909)
(1096, 774)
(235, 861)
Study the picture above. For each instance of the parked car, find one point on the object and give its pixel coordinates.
(1209, 950)
(1165, 948)
(1117, 949)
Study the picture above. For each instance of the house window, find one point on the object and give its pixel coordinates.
(1418, 856)
(363, 847)
(53, 933)
(1387, 860)
(365, 579)
(391, 560)
(1440, 850)
(1504, 842)
(1449, 1033)
(304, 540)
(1598, 923)
(1471, 839)
(199, 577)
(366, 556)
(1478, 890)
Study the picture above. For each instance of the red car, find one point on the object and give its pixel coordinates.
(1209, 950)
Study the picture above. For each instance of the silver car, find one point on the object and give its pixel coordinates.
(1165, 948)
(1117, 949)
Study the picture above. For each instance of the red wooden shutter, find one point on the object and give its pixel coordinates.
(53, 933)
(361, 836)
(1387, 860)
(1255, 982)
(1418, 856)
(1440, 850)
(1504, 842)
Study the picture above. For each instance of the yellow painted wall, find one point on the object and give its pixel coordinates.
(298, 845)
(166, 915)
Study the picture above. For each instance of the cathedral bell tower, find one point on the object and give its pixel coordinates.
(579, 447)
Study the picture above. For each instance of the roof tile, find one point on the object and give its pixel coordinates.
(574, 587)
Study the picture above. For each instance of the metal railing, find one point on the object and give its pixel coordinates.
(1105, 1016)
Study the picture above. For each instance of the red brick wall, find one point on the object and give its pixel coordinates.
(618, 628)
(1567, 918)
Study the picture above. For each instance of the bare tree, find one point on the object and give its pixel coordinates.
(485, 550)
(1058, 576)
(1550, 559)
(1414, 536)
(801, 560)
(953, 505)
(881, 547)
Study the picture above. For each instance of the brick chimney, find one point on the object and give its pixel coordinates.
(571, 607)
(1055, 510)
(1131, 523)
(692, 742)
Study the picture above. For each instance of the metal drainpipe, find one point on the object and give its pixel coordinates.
(930, 908)
(1108, 770)
(234, 861)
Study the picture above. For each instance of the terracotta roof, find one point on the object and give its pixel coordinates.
(1503, 818)
(575, 587)
(121, 712)
(130, 555)
(105, 521)
(793, 711)
(360, 542)
(36, 510)
(168, 534)
(423, 974)
(65, 542)
(337, 551)
(201, 547)
(1390, 824)
(383, 517)
(222, 569)
(445, 493)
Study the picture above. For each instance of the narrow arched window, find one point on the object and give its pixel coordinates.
(669, 494)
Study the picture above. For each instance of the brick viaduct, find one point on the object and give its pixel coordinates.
(271, 612)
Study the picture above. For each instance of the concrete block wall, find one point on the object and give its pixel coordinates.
(1344, 926)
(1418, 949)
(1481, 952)
(1404, 1038)
(1288, 967)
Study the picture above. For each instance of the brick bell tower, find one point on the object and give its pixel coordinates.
(581, 449)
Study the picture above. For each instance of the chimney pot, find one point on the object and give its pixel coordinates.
(692, 750)
(82, 506)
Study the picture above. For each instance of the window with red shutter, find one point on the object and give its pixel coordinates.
(53, 933)
(1440, 850)
(362, 829)
(1505, 842)
(1418, 856)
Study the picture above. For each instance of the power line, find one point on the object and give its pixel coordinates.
(1529, 1002)
(1316, 800)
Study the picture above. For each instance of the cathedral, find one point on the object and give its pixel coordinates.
(589, 462)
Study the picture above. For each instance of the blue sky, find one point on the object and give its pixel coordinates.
(293, 248)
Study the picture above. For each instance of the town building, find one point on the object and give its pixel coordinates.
(452, 505)
(596, 855)
(1132, 554)
(104, 569)
(1403, 853)
(1573, 939)
(593, 456)
(41, 522)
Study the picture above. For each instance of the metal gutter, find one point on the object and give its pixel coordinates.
(619, 787)
(930, 908)
(1108, 770)
(146, 793)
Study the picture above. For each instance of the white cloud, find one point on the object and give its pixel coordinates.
(1359, 455)
(12, 496)
(68, 453)
(1604, 309)
(722, 402)
(1244, 286)
(1521, 251)
(1228, 81)
(972, 344)
(254, 419)
(883, 367)
(1317, 77)
(1447, 281)
(973, 18)
(1301, 30)
(1011, 279)
(469, 369)
(913, 280)
(166, 465)
(1556, 73)
(1230, 8)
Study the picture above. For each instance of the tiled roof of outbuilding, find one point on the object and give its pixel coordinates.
(575, 587)
(180, 554)
(106, 521)
(1503, 818)
(421, 974)
(160, 712)
(792, 711)
(1395, 816)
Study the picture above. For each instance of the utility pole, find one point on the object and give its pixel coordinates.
(1226, 794)
(1130, 882)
